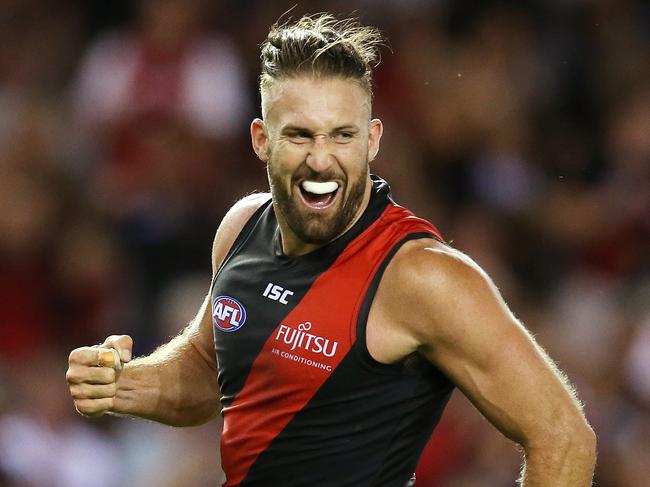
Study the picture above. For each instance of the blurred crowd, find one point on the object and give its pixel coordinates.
(520, 128)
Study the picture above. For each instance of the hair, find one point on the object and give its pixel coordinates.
(320, 46)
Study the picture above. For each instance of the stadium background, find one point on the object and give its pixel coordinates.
(521, 129)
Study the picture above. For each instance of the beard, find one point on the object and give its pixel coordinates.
(310, 226)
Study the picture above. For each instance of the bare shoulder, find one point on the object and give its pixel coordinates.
(441, 287)
(232, 224)
(426, 264)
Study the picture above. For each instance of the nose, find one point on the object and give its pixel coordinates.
(320, 157)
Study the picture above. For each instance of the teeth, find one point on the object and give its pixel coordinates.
(320, 188)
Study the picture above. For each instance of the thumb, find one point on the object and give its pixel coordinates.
(122, 343)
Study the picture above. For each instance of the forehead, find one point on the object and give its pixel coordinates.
(316, 102)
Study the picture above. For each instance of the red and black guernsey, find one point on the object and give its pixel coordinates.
(304, 403)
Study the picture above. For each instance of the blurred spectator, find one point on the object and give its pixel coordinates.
(166, 65)
(164, 100)
(42, 443)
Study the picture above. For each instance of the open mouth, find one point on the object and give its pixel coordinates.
(318, 195)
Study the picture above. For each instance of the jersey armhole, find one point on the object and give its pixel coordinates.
(241, 239)
(362, 319)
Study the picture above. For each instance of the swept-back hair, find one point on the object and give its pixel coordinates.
(321, 46)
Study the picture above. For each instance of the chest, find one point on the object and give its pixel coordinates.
(283, 326)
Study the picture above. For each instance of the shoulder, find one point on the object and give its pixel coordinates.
(232, 224)
(441, 287)
(429, 263)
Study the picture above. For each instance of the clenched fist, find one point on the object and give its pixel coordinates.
(93, 373)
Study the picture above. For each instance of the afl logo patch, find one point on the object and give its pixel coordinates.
(228, 314)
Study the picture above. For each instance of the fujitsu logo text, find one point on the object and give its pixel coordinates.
(300, 338)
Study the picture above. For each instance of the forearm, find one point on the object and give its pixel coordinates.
(175, 385)
(564, 464)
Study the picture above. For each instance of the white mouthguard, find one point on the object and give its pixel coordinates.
(320, 188)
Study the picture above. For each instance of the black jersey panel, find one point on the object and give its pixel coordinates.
(346, 435)
(415, 429)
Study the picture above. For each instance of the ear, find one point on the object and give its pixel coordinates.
(260, 139)
(376, 129)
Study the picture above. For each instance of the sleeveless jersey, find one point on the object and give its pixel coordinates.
(304, 403)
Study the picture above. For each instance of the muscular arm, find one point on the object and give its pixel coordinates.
(461, 323)
(177, 383)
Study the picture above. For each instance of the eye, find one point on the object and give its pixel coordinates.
(300, 136)
(343, 137)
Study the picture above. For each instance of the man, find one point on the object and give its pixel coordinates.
(340, 321)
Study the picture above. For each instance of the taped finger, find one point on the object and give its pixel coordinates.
(108, 358)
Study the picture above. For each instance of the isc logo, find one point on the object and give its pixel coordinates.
(228, 314)
(277, 293)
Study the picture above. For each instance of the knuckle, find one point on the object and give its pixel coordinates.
(72, 376)
(75, 355)
(82, 406)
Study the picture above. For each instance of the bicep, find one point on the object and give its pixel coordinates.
(494, 361)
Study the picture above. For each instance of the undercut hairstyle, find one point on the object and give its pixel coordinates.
(321, 46)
